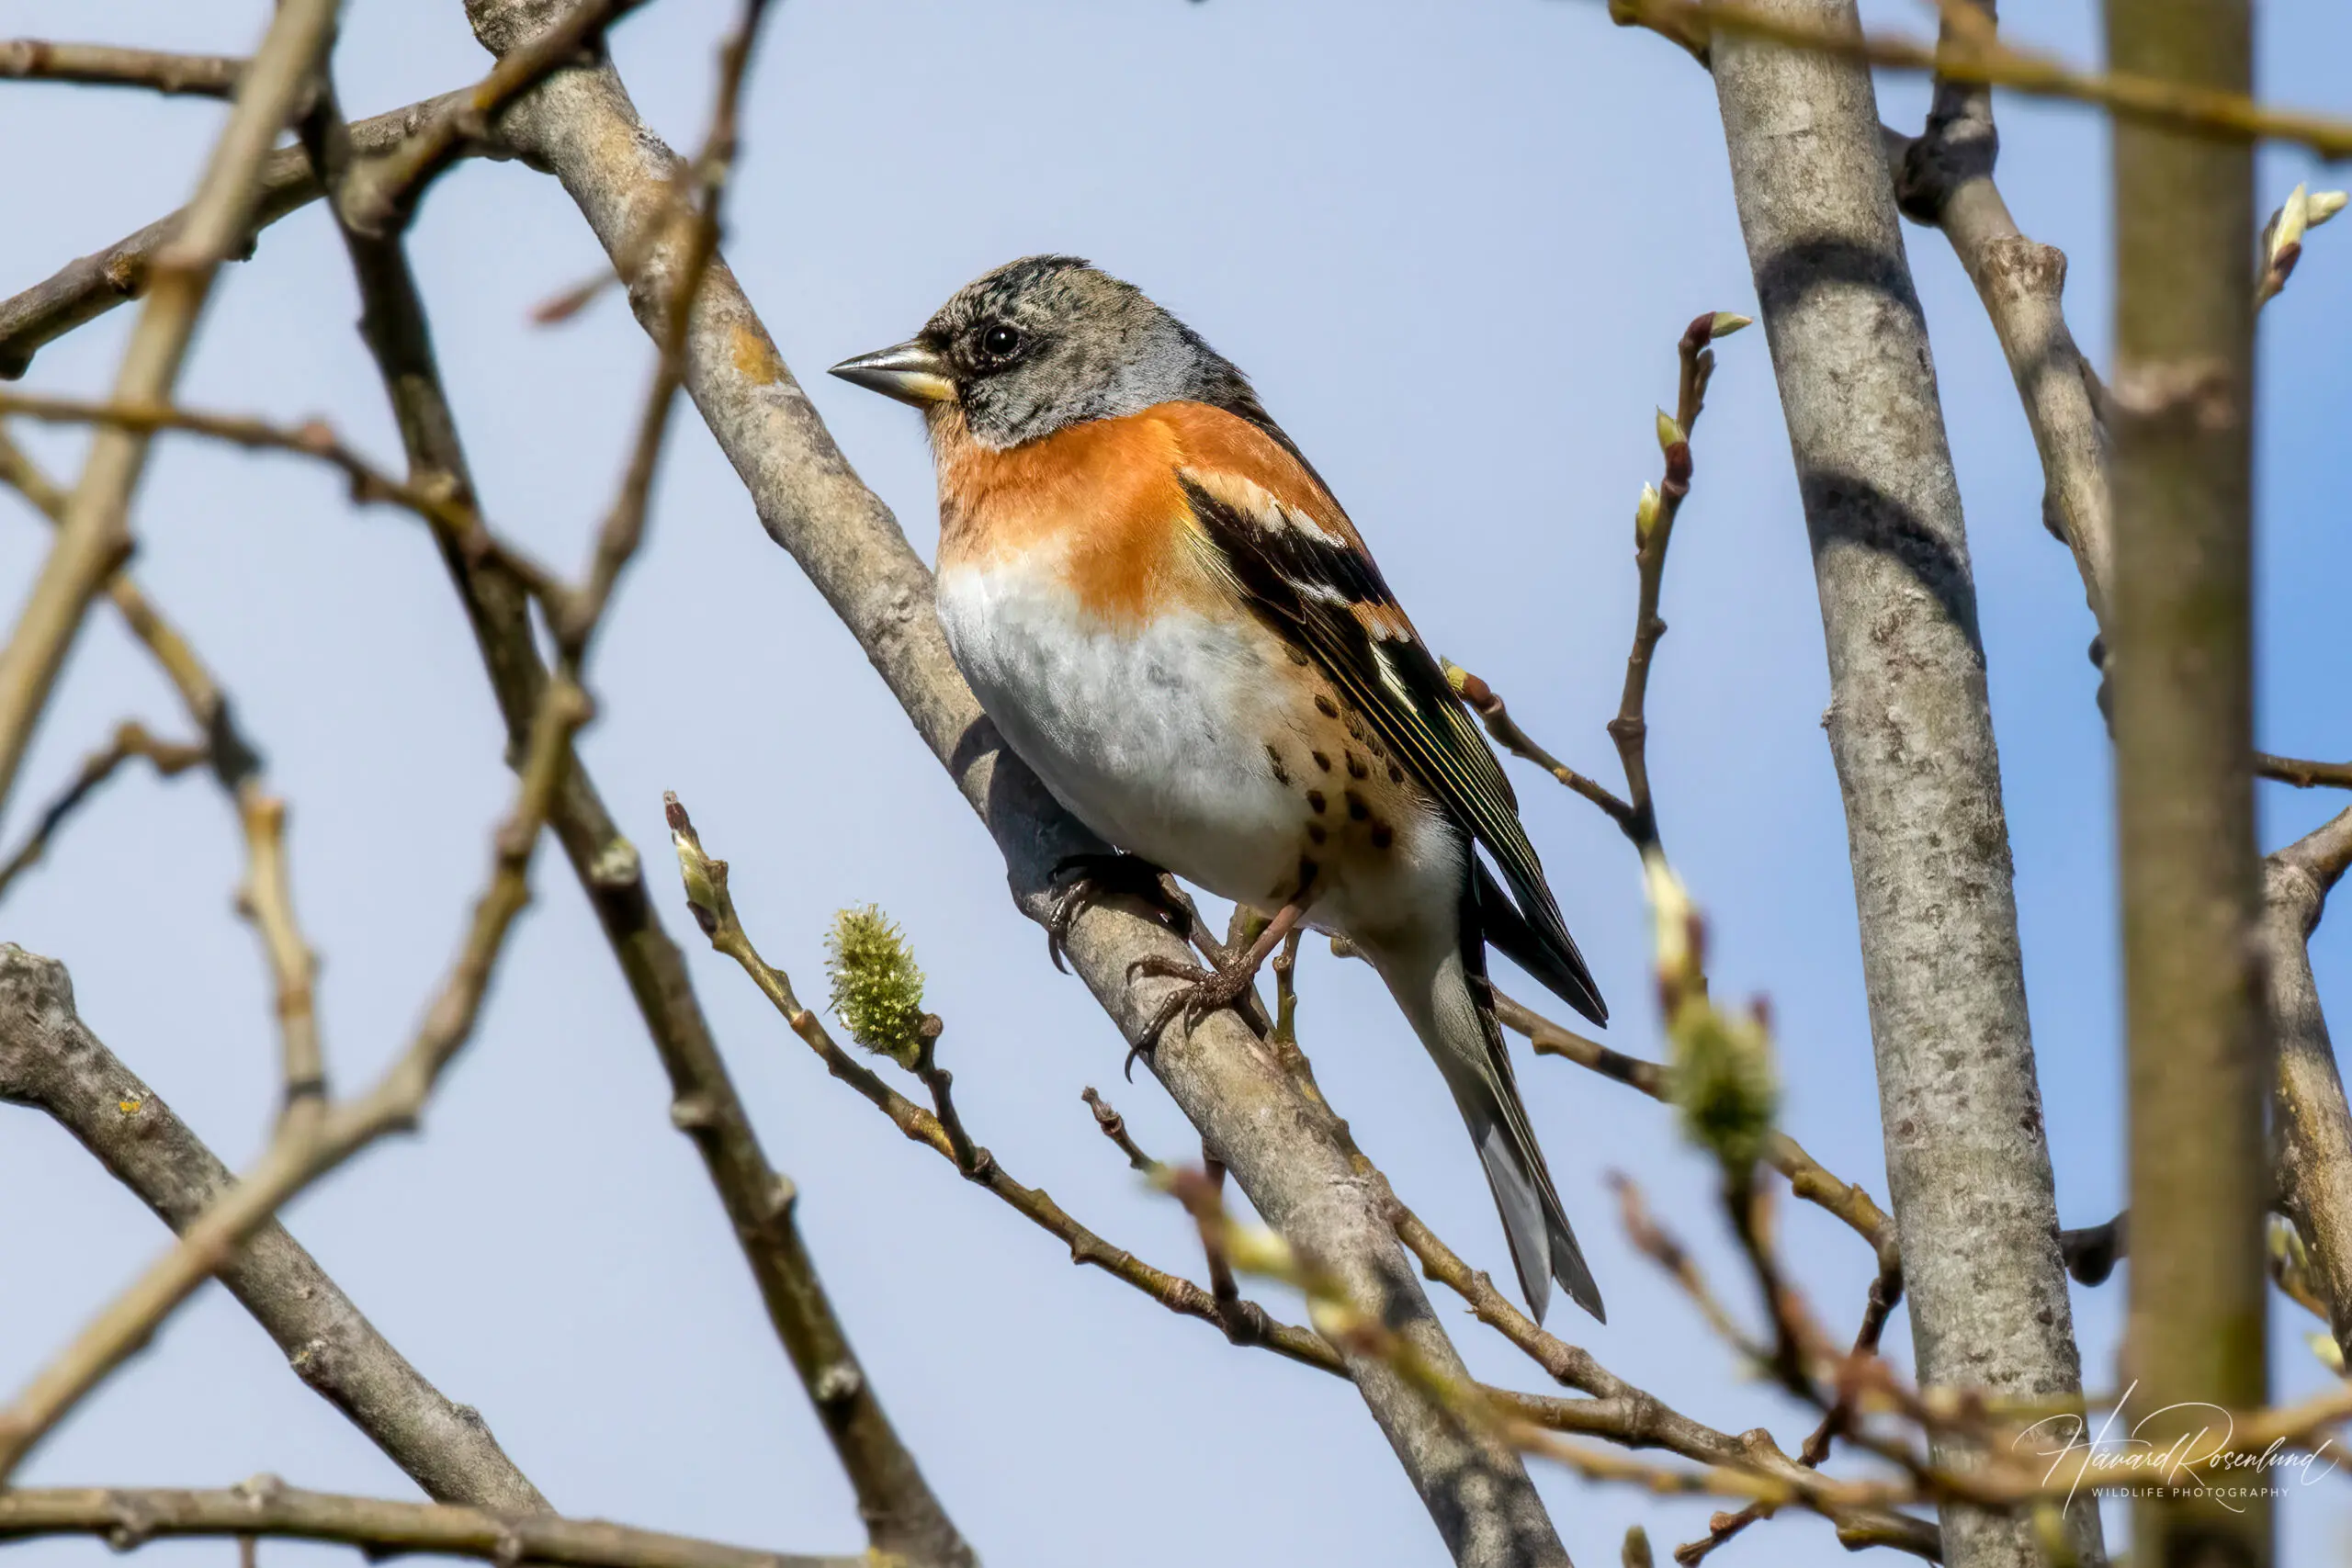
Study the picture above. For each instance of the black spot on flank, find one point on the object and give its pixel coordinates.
(1355, 729)
(1326, 707)
(1395, 773)
(1315, 801)
(1356, 768)
(1322, 762)
(1297, 654)
(1357, 810)
(1383, 835)
(1315, 834)
(1307, 872)
(1275, 760)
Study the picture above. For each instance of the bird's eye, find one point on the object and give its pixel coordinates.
(999, 342)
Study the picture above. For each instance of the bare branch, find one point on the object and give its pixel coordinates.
(1910, 732)
(2302, 774)
(169, 758)
(452, 516)
(307, 1148)
(267, 1506)
(88, 288)
(1284, 1149)
(1701, 25)
(1944, 179)
(107, 65)
(94, 538)
(712, 903)
(2314, 1126)
(50, 1062)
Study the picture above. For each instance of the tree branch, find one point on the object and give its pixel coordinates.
(307, 1148)
(1701, 26)
(168, 758)
(85, 290)
(94, 538)
(2314, 1127)
(901, 1514)
(267, 1506)
(1910, 731)
(107, 65)
(709, 896)
(50, 1062)
(1944, 179)
(2182, 414)
(1282, 1149)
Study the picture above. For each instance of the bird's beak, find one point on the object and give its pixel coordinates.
(908, 372)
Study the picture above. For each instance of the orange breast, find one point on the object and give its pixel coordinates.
(1103, 495)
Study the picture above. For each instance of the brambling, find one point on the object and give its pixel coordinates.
(1160, 605)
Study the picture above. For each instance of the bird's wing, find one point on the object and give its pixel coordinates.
(1272, 530)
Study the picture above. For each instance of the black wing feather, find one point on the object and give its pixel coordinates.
(1306, 585)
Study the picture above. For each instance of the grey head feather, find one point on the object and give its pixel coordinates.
(1084, 345)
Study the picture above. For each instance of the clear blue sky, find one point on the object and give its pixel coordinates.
(1454, 246)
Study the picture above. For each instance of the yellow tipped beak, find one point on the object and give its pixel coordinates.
(908, 372)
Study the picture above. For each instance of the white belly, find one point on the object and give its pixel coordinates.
(1153, 737)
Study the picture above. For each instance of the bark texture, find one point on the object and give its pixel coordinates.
(1911, 733)
(2313, 1127)
(1285, 1149)
(50, 1060)
(2184, 744)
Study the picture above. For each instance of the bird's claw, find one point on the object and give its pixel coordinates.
(1203, 991)
(1088, 877)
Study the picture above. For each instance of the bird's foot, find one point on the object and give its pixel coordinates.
(1084, 879)
(1203, 992)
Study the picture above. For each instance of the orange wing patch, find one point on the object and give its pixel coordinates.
(1109, 494)
(1224, 449)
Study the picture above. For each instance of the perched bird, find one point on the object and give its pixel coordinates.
(1160, 605)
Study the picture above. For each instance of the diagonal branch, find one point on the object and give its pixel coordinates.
(110, 66)
(94, 538)
(902, 1515)
(2312, 1126)
(50, 1062)
(130, 739)
(307, 1148)
(85, 290)
(379, 1528)
(1285, 1151)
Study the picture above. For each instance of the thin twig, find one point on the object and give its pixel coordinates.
(697, 203)
(2222, 116)
(1885, 1293)
(109, 65)
(231, 754)
(169, 758)
(1808, 1177)
(307, 1148)
(1113, 1126)
(1637, 814)
(383, 195)
(2304, 774)
(267, 900)
(713, 904)
(130, 1518)
(450, 513)
(87, 288)
(95, 538)
(904, 1518)
(52, 1062)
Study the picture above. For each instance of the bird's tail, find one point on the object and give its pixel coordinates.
(1444, 995)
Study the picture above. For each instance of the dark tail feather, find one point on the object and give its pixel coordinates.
(1449, 1006)
(1562, 972)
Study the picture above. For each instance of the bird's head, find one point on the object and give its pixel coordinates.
(1043, 343)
